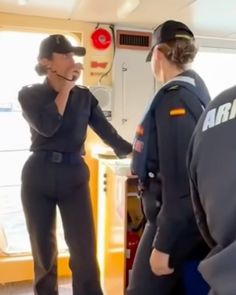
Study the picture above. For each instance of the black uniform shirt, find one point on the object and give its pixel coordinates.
(212, 169)
(67, 133)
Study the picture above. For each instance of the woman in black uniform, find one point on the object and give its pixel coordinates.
(58, 113)
(170, 236)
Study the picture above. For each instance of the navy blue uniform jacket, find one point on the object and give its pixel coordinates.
(160, 149)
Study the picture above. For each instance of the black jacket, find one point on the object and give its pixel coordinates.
(52, 132)
(212, 170)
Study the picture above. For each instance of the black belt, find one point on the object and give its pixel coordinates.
(60, 157)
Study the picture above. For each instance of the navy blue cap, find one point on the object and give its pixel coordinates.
(168, 31)
(58, 44)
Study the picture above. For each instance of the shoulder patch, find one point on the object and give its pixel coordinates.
(35, 85)
(29, 86)
(82, 87)
(173, 87)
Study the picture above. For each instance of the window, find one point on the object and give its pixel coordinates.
(17, 60)
(217, 68)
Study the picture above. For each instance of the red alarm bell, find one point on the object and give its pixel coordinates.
(101, 39)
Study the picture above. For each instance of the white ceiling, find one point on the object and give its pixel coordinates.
(216, 18)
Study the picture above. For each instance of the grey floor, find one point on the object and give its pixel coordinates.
(25, 288)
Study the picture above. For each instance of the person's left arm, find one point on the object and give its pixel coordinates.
(99, 123)
(175, 125)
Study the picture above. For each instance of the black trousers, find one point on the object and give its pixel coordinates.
(46, 185)
(143, 281)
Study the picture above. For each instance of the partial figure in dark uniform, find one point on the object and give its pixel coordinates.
(211, 164)
(171, 236)
(58, 113)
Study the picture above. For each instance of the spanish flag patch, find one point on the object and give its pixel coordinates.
(177, 112)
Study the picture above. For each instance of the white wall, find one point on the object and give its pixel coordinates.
(133, 87)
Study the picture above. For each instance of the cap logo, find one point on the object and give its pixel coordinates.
(183, 36)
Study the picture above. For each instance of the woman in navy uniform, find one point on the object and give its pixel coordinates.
(211, 164)
(171, 236)
(58, 113)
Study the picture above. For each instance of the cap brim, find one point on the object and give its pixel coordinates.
(80, 51)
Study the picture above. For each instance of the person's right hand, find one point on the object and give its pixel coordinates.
(159, 262)
(130, 155)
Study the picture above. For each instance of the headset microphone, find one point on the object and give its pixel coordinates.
(63, 77)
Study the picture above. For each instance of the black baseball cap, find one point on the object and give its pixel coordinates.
(58, 44)
(169, 30)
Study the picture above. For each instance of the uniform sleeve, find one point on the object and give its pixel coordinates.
(42, 116)
(197, 205)
(175, 125)
(107, 132)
